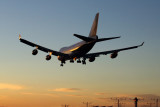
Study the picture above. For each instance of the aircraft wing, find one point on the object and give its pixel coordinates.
(56, 53)
(97, 54)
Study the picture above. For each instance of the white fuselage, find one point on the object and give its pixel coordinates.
(77, 50)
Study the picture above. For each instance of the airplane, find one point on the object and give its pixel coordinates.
(79, 50)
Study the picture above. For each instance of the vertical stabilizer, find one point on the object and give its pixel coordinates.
(94, 27)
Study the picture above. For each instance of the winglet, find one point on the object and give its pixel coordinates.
(19, 36)
(141, 44)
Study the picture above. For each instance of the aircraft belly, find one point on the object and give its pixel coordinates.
(80, 52)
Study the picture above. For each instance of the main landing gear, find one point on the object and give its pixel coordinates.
(72, 61)
(62, 62)
(83, 61)
(78, 61)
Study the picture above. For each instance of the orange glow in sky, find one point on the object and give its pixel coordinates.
(31, 81)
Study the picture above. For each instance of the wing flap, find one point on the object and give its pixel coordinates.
(111, 51)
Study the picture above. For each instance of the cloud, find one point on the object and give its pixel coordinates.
(2, 97)
(51, 95)
(40, 94)
(149, 96)
(145, 97)
(125, 96)
(140, 96)
(66, 89)
(75, 95)
(101, 93)
(103, 98)
(28, 93)
(10, 86)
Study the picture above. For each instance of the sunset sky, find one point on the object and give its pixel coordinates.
(31, 81)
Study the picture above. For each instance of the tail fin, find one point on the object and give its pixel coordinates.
(94, 27)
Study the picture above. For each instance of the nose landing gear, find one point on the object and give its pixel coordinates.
(62, 62)
(83, 62)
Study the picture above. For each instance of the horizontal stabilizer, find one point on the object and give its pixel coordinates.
(103, 39)
(87, 39)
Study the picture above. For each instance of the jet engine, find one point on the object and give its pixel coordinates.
(34, 52)
(91, 59)
(114, 55)
(48, 57)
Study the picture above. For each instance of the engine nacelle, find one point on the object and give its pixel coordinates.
(114, 55)
(34, 52)
(48, 57)
(91, 59)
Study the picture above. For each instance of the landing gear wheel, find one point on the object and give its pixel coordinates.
(62, 62)
(83, 62)
(61, 65)
(78, 61)
(71, 61)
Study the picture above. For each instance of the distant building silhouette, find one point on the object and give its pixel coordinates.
(135, 101)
